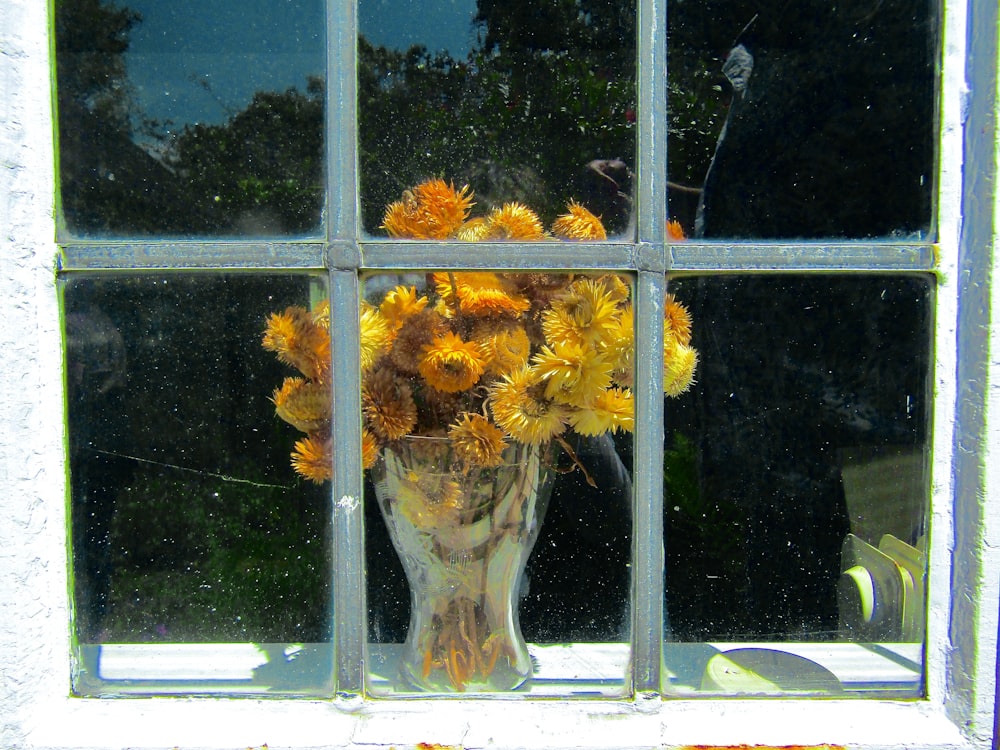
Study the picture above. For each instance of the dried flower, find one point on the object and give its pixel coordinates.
(387, 403)
(376, 334)
(525, 416)
(450, 364)
(313, 459)
(514, 221)
(432, 210)
(676, 320)
(578, 224)
(675, 232)
(477, 441)
(585, 314)
(303, 404)
(481, 357)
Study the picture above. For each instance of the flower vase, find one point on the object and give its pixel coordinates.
(463, 535)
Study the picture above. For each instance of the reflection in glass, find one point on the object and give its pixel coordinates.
(190, 118)
(828, 113)
(188, 523)
(497, 408)
(531, 102)
(797, 481)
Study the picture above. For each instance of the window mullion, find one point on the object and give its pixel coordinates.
(647, 511)
(348, 573)
(651, 120)
(341, 120)
(651, 217)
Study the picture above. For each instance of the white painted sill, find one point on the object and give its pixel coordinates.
(643, 723)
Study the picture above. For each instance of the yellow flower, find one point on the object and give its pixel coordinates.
(621, 347)
(572, 373)
(477, 441)
(514, 221)
(505, 348)
(430, 500)
(388, 406)
(679, 364)
(521, 413)
(450, 364)
(399, 304)
(312, 458)
(578, 224)
(304, 405)
(613, 410)
(474, 230)
(677, 320)
(585, 314)
(376, 335)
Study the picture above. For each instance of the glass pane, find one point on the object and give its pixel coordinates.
(497, 425)
(804, 119)
(190, 118)
(529, 102)
(189, 526)
(797, 486)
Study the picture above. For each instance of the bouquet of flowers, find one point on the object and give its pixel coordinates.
(482, 358)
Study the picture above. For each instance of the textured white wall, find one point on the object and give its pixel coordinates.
(33, 623)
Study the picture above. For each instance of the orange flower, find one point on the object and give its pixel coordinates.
(578, 224)
(434, 210)
(450, 364)
(677, 320)
(675, 232)
(505, 348)
(477, 441)
(478, 293)
(417, 331)
(313, 459)
(369, 448)
(299, 341)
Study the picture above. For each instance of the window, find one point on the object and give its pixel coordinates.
(153, 314)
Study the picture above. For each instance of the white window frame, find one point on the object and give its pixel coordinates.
(36, 709)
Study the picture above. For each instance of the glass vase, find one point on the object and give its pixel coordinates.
(463, 536)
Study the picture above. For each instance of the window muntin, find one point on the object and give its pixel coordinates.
(190, 119)
(646, 258)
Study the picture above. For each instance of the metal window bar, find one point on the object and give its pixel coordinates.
(344, 253)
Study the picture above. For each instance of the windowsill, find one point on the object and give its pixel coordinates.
(566, 671)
